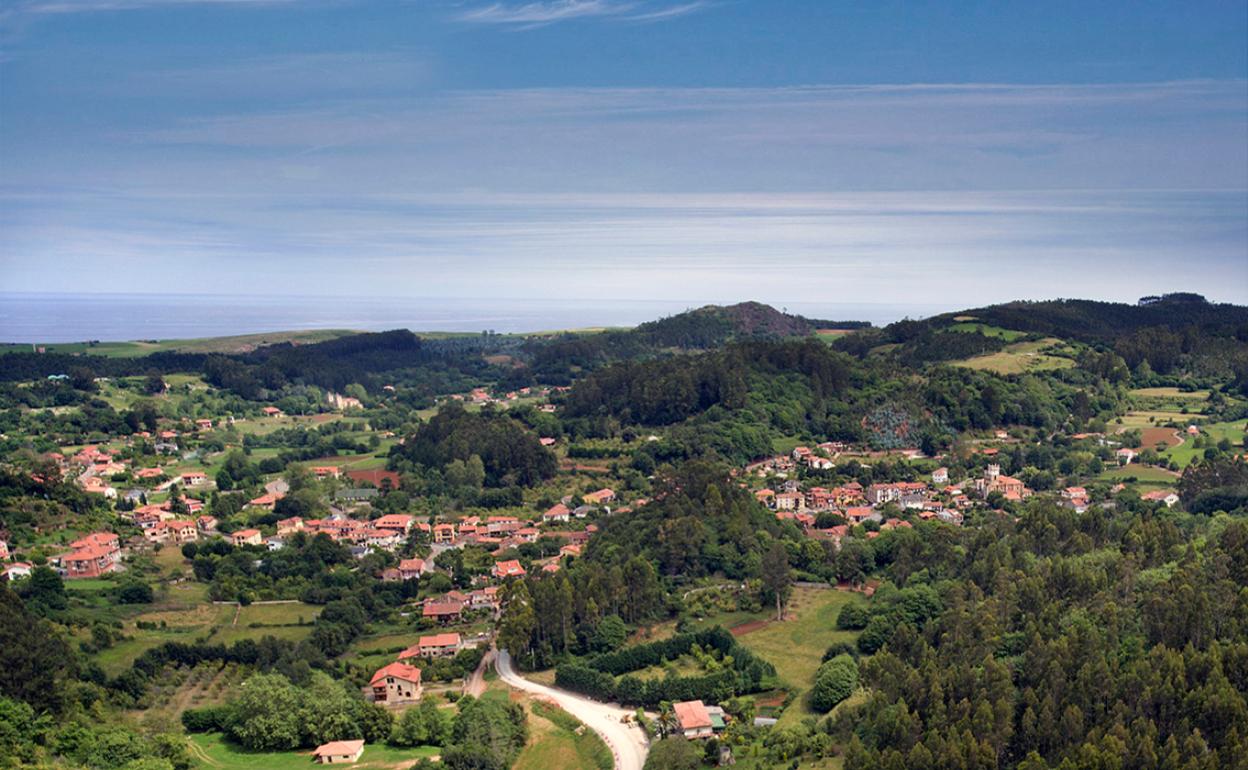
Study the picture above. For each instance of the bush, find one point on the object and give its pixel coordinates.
(209, 719)
(853, 617)
(834, 682)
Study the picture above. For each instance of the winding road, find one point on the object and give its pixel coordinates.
(626, 741)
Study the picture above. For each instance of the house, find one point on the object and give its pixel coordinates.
(265, 501)
(172, 531)
(410, 569)
(396, 683)
(149, 473)
(246, 537)
(434, 646)
(444, 612)
(790, 501)
(444, 534)
(290, 526)
(570, 550)
(508, 569)
(601, 497)
(89, 561)
(337, 752)
(358, 495)
(1161, 496)
(194, 479)
(940, 476)
(1125, 456)
(557, 513)
(203, 424)
(326, 471)
(206, 523)
(4, 551)
(496, 524)
(17, 570)
(400, 522)
(693, 719)
(98, 486)
(274, 543)
(271, 411)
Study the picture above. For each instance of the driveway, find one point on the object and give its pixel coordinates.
(626, 741)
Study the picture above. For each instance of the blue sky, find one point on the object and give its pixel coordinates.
(699, 150)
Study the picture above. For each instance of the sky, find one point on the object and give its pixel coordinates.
(788, 151)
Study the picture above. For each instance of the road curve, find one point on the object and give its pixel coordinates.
(626, 741)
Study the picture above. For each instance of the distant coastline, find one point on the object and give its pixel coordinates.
(54, 318)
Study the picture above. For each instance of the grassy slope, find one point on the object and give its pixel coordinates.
(1020, 357)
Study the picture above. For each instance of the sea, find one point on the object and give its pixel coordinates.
(61, 318)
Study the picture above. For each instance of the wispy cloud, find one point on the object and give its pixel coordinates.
(542, 12)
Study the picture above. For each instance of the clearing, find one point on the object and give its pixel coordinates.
(795, 647)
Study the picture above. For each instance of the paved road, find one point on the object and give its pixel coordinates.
(626, 741)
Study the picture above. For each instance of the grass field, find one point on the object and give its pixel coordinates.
(554, 742)
(1009, 335)
(1196, 395)
(1019, 358)
(795, 647)
(213, 752)
(187, 623)
(1150, 418)
(1146, 474)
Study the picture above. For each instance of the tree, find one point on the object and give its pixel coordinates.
(675, 753)
(34, 660)
(518, 621)
(425, 725)
(777, 579)
(269, 714)
(609, 634)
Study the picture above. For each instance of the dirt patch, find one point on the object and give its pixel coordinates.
(741, 629)
(1151, 437)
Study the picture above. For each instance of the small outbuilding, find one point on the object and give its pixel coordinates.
(338, 752)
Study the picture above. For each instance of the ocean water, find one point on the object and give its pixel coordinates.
(53, 318)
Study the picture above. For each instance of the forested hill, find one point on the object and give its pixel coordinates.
(1092, 321)
(713, 325)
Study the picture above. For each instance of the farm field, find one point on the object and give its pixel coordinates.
(1214, 432)
(795, 647)
(214, 752)
(1152, 418)
(1020, 357)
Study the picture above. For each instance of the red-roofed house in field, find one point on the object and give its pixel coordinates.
(338, 752)
(508, 569)
(396, 683)
(272, 411)
(694, 719)
(434, 646)
(379, 478)
(326, 471)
